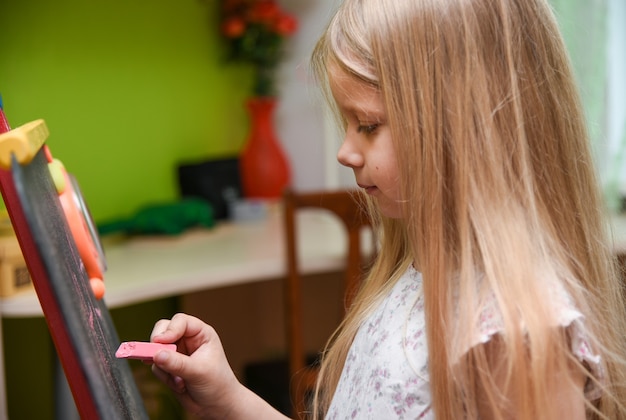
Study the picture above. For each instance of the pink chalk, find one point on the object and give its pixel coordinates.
(141, 350)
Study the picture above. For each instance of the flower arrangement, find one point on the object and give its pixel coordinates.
(255, 31)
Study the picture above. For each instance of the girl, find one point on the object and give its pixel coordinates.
(494, 294)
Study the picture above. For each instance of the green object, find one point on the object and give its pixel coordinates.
(164, 219)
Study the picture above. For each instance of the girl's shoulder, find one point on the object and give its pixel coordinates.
(566, 315)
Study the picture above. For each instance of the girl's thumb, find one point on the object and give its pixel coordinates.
(170, 361)
(161, 357)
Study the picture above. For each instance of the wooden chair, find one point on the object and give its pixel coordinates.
(351, 211)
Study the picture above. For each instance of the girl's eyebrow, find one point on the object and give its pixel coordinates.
(371, 112)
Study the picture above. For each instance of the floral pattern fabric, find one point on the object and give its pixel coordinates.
(385, 375)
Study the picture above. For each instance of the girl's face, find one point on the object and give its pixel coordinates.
(367, 147)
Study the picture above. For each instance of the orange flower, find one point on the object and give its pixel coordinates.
(264, 11)
(255, 31)
(285, 25)
(233, 27)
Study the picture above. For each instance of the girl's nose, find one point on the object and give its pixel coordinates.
(349, 155)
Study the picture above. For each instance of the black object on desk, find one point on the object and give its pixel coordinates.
(217, 181)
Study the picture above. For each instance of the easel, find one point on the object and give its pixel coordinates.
(80, 324)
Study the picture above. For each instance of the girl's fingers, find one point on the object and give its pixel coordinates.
(179, 384)
(181, 325)
(176, 364)
(175, 383)
(159, 328)
(161, 375)
(171, 330)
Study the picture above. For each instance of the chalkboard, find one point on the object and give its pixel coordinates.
(80, 325)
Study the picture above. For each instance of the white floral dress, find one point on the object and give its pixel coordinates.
(385, 375)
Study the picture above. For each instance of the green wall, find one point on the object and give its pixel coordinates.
(128, 88)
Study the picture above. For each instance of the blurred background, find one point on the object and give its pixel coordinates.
(131, 88)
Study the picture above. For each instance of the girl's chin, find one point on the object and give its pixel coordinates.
(389, 209)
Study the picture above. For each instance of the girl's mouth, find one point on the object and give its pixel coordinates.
(369, 189)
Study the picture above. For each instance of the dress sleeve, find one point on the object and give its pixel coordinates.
(491, 323)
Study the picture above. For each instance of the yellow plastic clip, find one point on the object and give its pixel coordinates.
(24, 141)
(57, 170)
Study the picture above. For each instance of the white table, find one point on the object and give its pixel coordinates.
(148, 268)
(141, 269)
(152, 267)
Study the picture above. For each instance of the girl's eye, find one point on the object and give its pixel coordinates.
(367, 129)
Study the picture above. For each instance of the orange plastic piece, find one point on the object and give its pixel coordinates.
(97, 286)
(82, 235)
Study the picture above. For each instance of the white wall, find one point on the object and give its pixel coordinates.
(301, 123)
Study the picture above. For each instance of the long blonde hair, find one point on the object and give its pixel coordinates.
(500, 195)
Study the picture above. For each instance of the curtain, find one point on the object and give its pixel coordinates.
(597, 45)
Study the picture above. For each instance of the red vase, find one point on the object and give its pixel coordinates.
(264, 167)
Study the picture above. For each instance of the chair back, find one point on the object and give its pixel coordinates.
(349, 207)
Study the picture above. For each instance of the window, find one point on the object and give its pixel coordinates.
(596, 39)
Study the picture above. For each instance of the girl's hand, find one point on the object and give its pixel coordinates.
(200, 375)
(198, 372)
